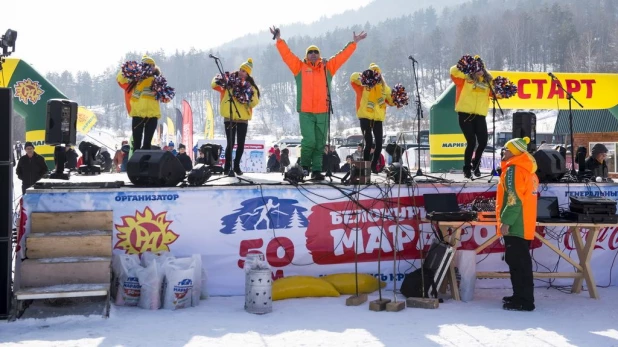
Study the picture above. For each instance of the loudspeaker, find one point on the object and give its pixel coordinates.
(6, 200)
(6, 128)
(524, 124)
(155, 168)
(61, 126)
(551, 165)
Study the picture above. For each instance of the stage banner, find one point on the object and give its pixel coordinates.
(253, 159)
(311, 230)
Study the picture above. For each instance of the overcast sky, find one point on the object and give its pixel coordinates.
(92, 35)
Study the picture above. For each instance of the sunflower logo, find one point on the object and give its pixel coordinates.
(28, 91)
(145, 232)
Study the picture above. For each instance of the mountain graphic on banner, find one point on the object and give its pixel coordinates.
(265, 213)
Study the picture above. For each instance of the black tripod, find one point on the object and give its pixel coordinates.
(329, 103)
(231, 123)
(494, 172)
(570, 97)
(419, 115)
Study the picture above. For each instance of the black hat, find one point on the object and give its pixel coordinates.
(598, 148)
(28, 144)
(181, 146)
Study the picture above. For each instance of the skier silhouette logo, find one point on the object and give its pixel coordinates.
(265, 213)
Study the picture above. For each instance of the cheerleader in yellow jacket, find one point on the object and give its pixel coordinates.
(372, 97)
(471, 104)
(142, 105)
(239, 120)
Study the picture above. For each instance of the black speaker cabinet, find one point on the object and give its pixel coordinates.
(6, 113)
(6, 200)
(155, 168)
(551, 165)
(524, 124)
(61, 126)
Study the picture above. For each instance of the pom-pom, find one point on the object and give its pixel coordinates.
(503, 87)
(469, 64)
(241, 89)
(131, 70)
(399, 95)
(163, 92)
(370, 78)
(135, 71)
(526, 139)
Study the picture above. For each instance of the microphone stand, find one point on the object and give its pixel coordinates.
(494, 172)
(231, 102)
(419, 115)
(570, 97)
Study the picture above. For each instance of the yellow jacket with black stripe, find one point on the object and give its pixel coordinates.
(369, 104)
(244, 110)
(142, 100)
(470, 97)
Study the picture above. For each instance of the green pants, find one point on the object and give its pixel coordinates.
(313, 131)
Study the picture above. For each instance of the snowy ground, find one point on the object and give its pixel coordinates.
(560, 320)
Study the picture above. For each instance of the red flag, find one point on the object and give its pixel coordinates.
(187, 127)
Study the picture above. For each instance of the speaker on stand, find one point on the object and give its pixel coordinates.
(524, 124)
(60, 129)
(6, 201)
(155, 168)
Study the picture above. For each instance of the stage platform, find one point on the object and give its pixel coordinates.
(312, 229)
(121, 180)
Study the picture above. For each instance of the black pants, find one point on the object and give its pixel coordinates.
(474, 128)
(143, 127)
(238, 130)
(368, 127)
(517, 256)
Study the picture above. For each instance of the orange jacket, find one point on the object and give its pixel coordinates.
(516, 198)
(310, 78)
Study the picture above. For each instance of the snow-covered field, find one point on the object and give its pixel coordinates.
(560, 320)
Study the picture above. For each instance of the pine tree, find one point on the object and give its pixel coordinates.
(295, 220)
(238, 226)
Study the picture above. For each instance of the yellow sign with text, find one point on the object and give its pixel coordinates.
(447, 144)
(537, 90)
(86, 119)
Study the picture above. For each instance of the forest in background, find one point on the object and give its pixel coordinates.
(516, 35)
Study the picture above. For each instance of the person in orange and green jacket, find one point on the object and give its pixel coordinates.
(516, 201)
(471, 104)
(237, 125)
(313, 76)
(371, 102)
(142, 106)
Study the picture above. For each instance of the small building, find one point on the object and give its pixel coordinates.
(589, 128)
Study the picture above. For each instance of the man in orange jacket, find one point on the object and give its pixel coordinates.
(313, 75)
(516, 200)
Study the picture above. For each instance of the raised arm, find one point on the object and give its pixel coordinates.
(336, 61)
(290, 59)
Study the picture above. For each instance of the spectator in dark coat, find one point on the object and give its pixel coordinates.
(346, 167)
(30, 168)
(184, 158)
(285, 159)
(596, 163)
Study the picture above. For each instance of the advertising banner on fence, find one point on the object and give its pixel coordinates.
(310, 230)
(253, 159)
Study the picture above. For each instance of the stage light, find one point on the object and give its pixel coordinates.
(89, 153)
(199, 175)
(8, 41)
(398, 173)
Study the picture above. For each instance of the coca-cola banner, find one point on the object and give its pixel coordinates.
(312, 230)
